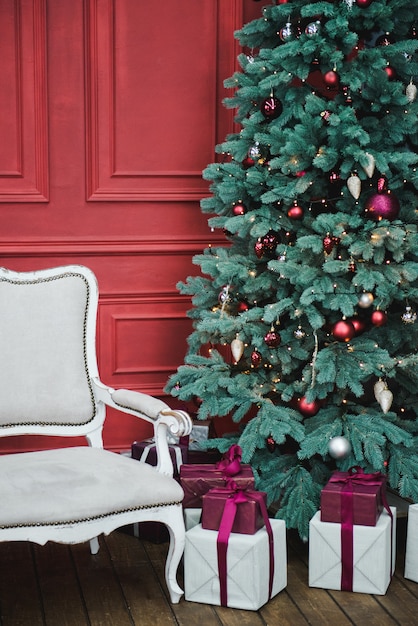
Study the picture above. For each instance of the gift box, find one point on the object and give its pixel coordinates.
(248, 512)
(373, 554)
(199, 433)
(411, 554)
(192, 517)
(248, 573)
(368, 494)
(197, 479)
(145, 451)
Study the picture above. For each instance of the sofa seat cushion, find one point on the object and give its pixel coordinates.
(72, 485)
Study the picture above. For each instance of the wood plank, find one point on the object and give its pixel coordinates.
(17, 574)
(203, 613)
(61, 595)
(102, 594)
(141, 587)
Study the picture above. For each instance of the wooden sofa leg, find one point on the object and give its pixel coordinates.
(177, 533)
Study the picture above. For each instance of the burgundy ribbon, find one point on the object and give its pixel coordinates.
(355, 475)
(230, 464)
(238, 496)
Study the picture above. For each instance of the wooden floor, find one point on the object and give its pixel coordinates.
(123, 584)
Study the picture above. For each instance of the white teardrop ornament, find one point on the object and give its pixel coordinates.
(370, 167)
(385, 400)
(378, 388)
(354, 186)
(411, 92)
(237, 349)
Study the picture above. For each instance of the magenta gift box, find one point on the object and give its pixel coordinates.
(367, 500)
(248, 516)
(196, 480)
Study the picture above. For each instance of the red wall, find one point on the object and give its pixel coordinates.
(109, 111)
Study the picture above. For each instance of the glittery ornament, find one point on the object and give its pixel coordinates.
(385, 399)
(272, 338)
(259, 248)
(384, 40)
(354, 186)
(352, 265)
(382, 206)
(371, 164)
(339, 447)
(409, 317)
(286, 33)
(378, 387)
(299, 333)
(237, 348)
(271, 107)
(313, 28)
(411, 92)
(256, 358)
(329, 243)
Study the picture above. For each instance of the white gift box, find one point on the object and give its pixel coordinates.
(247, 567)
(373, 547)
(411, 555)
(192, 517)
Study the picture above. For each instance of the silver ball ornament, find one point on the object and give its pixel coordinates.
(339, 447)
(366, 300)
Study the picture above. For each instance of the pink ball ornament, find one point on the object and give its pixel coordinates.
(363, 4)
(382, 206)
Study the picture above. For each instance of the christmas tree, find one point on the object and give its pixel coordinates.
(315, 291)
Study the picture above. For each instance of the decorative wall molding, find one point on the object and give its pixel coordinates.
(24, 178)
(168, 171)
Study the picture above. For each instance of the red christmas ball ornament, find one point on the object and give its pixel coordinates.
(378, 318)
(359, 325)
(343, 330)
(272, 339)
(271, 108)
(390, 72)
(242, 307)
(256, 358)
(382, 206)
(308, 409)
(331, 79)
(295, 212)
(363, 4)
(239, 209)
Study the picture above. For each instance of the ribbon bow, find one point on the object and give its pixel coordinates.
(354, 476)
(238, 496)
(230, 464)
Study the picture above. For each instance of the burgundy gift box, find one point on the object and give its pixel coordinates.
(367, 500)
(145, 451)
(248, 517)
(196, 480)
